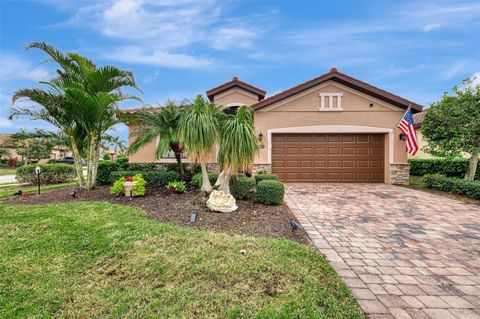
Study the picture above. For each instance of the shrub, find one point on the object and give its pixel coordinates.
(447, 167)
(122, 159)
(453, 185)
(179, 186)
(264, 177)
(139, 189)
(242, 187)
(269, 192)
(49, 174)
(105, 169)
(117, 187)
(155, 178)
(106, 157)
(12, 162)
(160, 178)
(197, 179)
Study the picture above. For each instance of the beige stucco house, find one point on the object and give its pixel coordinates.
(333, 128)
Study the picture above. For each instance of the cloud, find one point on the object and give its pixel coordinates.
(432, 27)
(13, 67)
(164, 33)
(234, 37)
(149, 56)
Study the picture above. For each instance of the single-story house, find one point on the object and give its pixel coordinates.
(333, 128)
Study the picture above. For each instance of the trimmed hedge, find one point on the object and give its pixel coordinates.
(197, 179)
(49, 174)
(156, 178)
(453, 185)
(264, 177)
(270, 192)
(242, 187)
(106, 168)
(446, 167)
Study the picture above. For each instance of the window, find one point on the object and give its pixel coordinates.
(170, 154)
(330, 101)
(232, 110)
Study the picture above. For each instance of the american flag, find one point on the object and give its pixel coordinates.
(407, 128)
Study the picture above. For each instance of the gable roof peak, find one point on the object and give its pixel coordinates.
(341, 78)
(236, 83)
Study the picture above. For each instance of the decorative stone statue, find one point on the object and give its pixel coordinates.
(221, 202)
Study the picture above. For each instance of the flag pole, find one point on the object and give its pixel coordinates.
(409, 107)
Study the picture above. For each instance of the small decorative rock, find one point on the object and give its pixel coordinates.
(221, 202)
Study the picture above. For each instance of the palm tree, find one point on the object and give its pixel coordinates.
(199, 130)
(5, 153)
(238, 145)
(82, 102)
(163, 124)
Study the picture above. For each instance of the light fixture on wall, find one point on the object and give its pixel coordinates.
(402, 137)
(260, 137)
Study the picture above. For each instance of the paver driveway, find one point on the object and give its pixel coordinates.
(403, 253)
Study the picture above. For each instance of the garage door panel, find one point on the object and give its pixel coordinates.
(328, 157)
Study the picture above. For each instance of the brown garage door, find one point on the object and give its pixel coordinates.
(328, 157)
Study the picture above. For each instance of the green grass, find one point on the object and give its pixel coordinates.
(418, 181)
(7, 171)
(8, 191)
(99, 260)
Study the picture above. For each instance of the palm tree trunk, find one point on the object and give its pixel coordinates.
(90, 161)
(206, 186)
(472, 166)
(95, 165)
(225, 185)
(220, 179)
(178, 157)
(78, 163)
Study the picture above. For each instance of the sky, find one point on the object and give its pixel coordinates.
(180, 48)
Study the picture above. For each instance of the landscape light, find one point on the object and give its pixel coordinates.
(38, 170)
(73, 194)
(193, 217)
(295, 225)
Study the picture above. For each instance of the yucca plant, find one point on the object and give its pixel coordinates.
(238, 146)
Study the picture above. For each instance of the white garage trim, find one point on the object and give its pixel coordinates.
(330, 129)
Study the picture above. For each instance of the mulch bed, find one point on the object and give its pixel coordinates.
(251, 218)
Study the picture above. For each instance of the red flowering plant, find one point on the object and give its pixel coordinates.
(128, 179)
(12, 162)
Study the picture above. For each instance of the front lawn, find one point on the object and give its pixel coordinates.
(7, 191)
(7, 171)
(92, 259)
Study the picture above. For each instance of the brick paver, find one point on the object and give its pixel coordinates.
(403, 253)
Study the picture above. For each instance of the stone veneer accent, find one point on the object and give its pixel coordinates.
(261, 167)
(399, 174)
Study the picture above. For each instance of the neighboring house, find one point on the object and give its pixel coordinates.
(333, 128)
(6, 142)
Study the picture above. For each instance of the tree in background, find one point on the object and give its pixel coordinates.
(452, 125)
(82, 101)
(164, 124)
(199, 131)
(5, 153)
(238, 145)
(34, 149)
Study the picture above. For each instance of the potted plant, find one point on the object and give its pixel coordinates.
(177, 187)
(128, 186)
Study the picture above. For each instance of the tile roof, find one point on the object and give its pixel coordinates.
(344, 79)
(235, 82)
